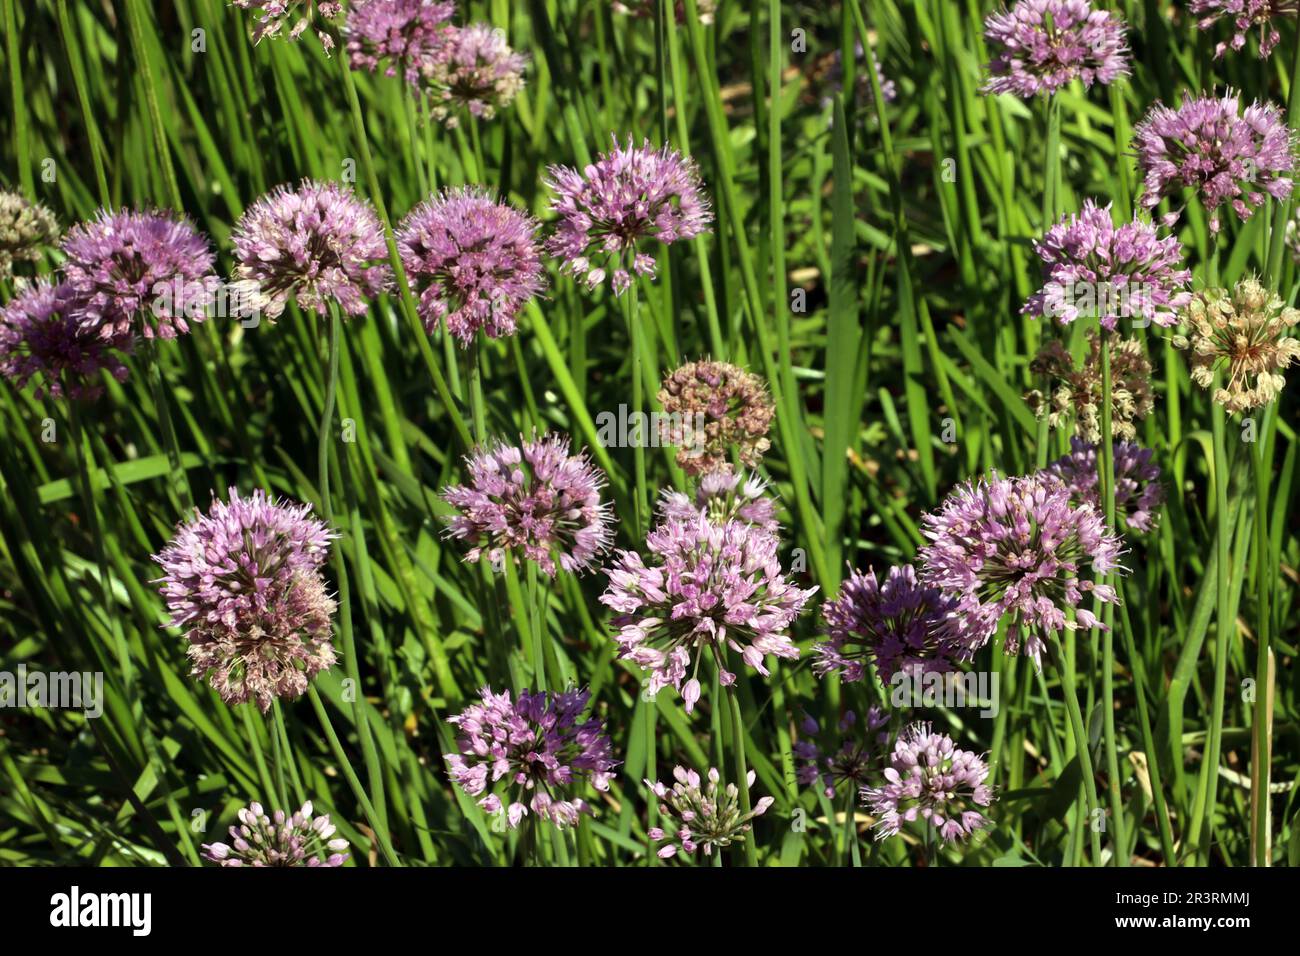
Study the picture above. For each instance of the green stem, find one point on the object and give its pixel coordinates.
(1065, 671)
(1262, 757)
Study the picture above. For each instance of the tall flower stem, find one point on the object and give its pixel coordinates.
(631, 305)
(179, 481)
(742, 768)
(1261, 761)
(1065, 671)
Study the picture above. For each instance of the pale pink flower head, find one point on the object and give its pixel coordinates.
(473, 70)
(1244, 15)
(834, 760)
(281, 839)
(1039, 46)
(398, 34)
(475, 261)
(722, 496)
(629, 197)
(1138, 492)
(271, 17)
(41, 339)
(699, 815)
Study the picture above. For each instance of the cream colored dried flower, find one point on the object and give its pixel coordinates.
(1245, 336)
(711, 406)
(1077, 394)
(25, 227)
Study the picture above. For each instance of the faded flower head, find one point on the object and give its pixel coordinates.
(475, 260)
(403, 34)
(629, 195)
(699, 817)
(244, 582)
(1244, 15)
(932, 780)
(1017, 548)
(1138, 492)
(473, 70)
(270, 17)
(26, 228)
(723, 496)
(279, 840)
(646, 8)
(41, 338)
(711, 407)
(539, 745)
(855, 756)
(703, 588)
(316, 244)
(139, 272)
(900, 625)
(535, 498)
(1039, 46)
(1093, 267)
(1244, 334)
(1208, 145)
(1077, 393)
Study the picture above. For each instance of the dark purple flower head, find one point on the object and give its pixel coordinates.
(1040, 46)
(138, 272)
(476, 261)
(271, 16)
(722, 496)
(1245, 15)
(535, 498)
(899, 625)
(704, 587)
(244, 582)
(405, 33)
(473, 70)
(279, 840)
(41, 338)
(630, 195)
(931, 780)
(1017, 548)
(26, 228)
(699, 817)
(539, 746)
(1138, 492)
(1210, 146)
(848, 759)
(1093, 267)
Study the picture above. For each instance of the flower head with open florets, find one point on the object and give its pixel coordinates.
(848, 760)
(1039, 46)
(473, 70)
(723, 496)
(271, 16)
(1138, 492)
(1244, 14)
(699, 817)
(401, 34)
(281, 839)
(1076, 394)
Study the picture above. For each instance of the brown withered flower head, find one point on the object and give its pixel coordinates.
(1076, 394)
(712, 406)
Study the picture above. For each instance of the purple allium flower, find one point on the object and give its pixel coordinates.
(723, 496)
(1017, 547)
(406, 33)
(40, 337)
(931, 780)
(850, 761)
(244, 581)
(646, 9)
(539, 745)
(628, 195)
(473, 70)
(900, 625)
(712, 407)
(1244, 15)
(1093, 267)
(143, 272)
(706, 587)
(1039, 46)
(1138, 492)
(536, 498)
(705, 817)
(318, 243)
(1210, 146)
(25, 229)
(270, 17)
(478, 261)
(279, 840)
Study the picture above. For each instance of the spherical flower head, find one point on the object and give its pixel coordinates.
(932, 780)
(1244, 15)
(848, 759)
(473, 70)
(26, 229)
(1138, 492)
(712, 407)
(1039, 46)
(722, 496)
(1017, 548)
(270, 17)
(1076, 394)
(402, 34)
(1093, 267)
(631, 195)
(539, 745)
(703, 588)
(316, 244)
(244, 582)
(139, 272)
(646, 9)
(900, 625)
(280, 839)
(41, 338)
(1244, 334)
(699, 815)
(476, 262)
(536, 499)
(1210, 146)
